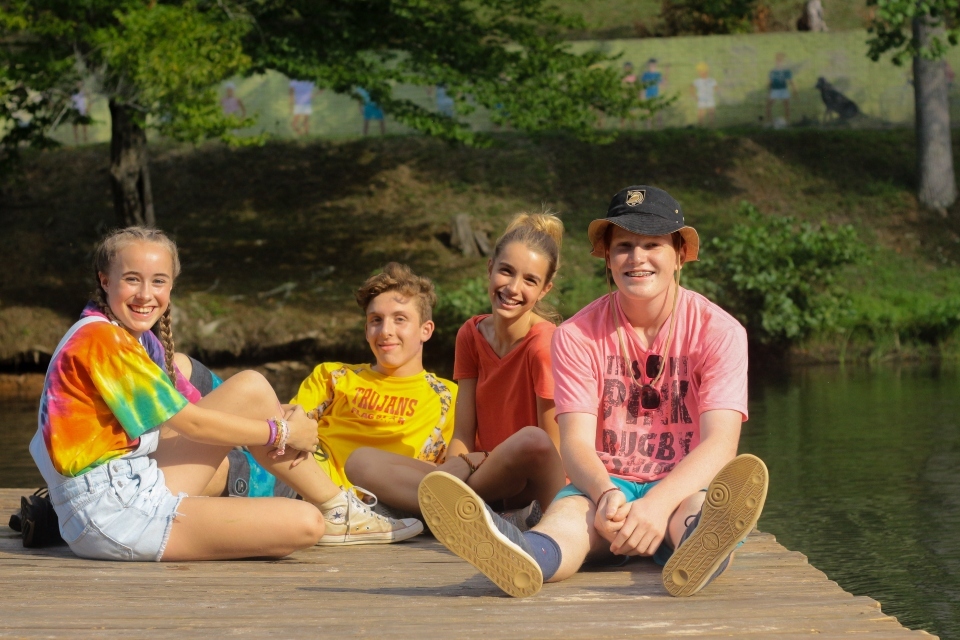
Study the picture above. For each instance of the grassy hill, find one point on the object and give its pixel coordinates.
(275, 240)
(635, 18)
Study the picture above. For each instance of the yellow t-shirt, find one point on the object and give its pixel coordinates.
(359, 407)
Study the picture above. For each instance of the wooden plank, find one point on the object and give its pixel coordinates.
(415, 589)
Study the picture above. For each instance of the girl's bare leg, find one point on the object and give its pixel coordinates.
(183, 363)
(228, 528)
(218, 484)
(219, 528)
(524, 467)
(190, 466)
(187, 465)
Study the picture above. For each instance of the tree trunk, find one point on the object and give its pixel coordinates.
(938, 186)
(129, 172)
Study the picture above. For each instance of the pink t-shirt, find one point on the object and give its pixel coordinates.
(706, 369)
(508, 387)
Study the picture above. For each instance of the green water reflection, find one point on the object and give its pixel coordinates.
(865, 480)
(865, 469)
(18, 423)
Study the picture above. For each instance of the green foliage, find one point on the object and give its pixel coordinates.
(914, 318)
(161, 60)
(456, 306)
(707, 17)
(167, 60)
(577, 290)
(777, 275)
(505, 56)
(892, 28)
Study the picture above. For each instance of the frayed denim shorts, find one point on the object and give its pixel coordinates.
(121, 510)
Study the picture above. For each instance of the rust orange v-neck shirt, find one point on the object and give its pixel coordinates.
(507, 388)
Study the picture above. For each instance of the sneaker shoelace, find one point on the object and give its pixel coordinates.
(366, 507)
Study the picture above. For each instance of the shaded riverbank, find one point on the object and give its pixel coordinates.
(275, 239)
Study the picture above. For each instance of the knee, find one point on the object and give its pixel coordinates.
(254, 386)
(184, 364)
(312, 526)
(527, 451)
(535, 444)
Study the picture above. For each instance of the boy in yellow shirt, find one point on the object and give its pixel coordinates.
(393, 405)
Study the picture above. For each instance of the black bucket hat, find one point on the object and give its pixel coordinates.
(646, 211)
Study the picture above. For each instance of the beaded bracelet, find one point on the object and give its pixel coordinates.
(273, 431)
(600, 497)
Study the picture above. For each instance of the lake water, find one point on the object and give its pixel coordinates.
(865, 478)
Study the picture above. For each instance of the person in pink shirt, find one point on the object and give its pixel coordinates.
(650, 393)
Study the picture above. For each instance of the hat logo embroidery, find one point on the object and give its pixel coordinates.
(635, 197)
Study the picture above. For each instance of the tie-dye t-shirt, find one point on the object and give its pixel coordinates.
(102, 392)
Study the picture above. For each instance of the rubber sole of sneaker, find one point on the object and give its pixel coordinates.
(458, 518)
(730, 511)
(398, 535)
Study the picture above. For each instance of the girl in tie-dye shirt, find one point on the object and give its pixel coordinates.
(120, 483)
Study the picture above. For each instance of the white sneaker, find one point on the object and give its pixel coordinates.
(350, 521)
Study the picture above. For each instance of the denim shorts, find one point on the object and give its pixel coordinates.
(121, 510)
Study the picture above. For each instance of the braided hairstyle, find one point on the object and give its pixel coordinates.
(542, 233)
(103, 257)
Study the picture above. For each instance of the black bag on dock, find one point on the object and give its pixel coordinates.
(37, 521)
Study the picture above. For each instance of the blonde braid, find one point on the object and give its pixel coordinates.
(165, 333)
(99, 297)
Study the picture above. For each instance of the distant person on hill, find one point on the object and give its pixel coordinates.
(781, 89)
(505, 440)
(704, 89)
(231, 104)
(124, 442)
(651, 80)
(651, 391)
(370, 110)
(392, 406)
(302, 93)
(443, 99)
(79, 103)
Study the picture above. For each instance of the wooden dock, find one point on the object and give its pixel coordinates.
(412, 590)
